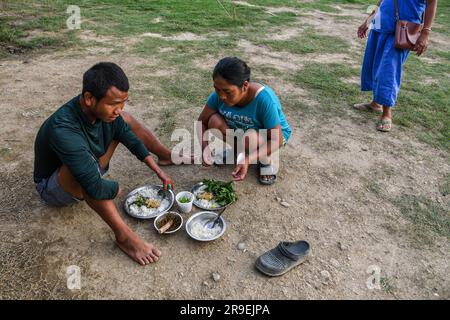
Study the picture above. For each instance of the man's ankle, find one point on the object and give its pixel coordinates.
(122, 236)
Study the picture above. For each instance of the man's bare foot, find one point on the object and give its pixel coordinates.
(139, 250)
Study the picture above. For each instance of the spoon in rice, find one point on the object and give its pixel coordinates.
(212, 222)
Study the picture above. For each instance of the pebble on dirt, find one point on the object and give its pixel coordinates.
(215, 276)
(341, 246)
(325, 275)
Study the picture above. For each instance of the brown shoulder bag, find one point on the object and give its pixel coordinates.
(406, 33)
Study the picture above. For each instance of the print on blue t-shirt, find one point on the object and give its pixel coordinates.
(263, 112)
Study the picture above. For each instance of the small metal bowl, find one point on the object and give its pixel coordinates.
(161, 220)
(199, 219)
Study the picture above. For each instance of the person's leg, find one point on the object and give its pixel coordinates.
(252, 139)
(139, 250)
(385, 123)
(68, 182)
(216, 121)
(368, 106)
(252, 142)
(369, 65)
(127, 240)
(389, 77)
(149, 140)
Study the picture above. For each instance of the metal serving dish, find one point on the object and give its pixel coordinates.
(198, 188)
(199, 220)
(166, 202)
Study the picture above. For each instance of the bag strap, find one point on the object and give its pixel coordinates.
(396, 11)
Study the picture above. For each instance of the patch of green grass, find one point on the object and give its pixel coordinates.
(442, 18)
(308, 42)
(387, 285)
(322, 5)
(3, 151)
(420, 105)
(167, 120)
(425, 105)
(374, 188)
(125, 18)
(325, 83)
(46, 17)
(445, 187)
(8, 34)
(428, 217)
(442, 54)
(133, 17)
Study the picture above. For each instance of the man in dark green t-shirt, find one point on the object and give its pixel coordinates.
(74, 146)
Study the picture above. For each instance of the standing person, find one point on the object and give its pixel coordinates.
(382, 64)
(239, 103)
(74, 146)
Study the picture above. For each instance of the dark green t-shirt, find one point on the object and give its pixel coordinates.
(68, 137)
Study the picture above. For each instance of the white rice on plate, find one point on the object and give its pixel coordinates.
(207, 204)
(144, 211)
(201, 231)
(203, 203)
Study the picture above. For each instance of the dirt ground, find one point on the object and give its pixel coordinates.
(329, 171)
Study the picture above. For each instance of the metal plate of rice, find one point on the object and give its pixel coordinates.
(205, 204)
(149, 192)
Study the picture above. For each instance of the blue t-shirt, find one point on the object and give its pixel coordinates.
(409, 10)
(263, 112)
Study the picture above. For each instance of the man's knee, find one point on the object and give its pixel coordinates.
(106, 158)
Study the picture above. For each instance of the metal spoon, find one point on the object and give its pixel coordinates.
(212, 223)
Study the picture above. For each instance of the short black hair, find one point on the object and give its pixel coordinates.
(233, 70)
(101, 77)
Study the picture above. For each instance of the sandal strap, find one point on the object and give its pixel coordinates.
(267, 170)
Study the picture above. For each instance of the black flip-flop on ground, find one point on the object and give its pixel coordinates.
(282, 258)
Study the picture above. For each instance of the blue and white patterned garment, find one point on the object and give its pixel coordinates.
(263, 112)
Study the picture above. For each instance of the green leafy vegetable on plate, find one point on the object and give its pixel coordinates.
(223, 191)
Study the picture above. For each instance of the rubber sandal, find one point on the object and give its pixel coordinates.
(282, 258)
(366, 107)
(267, 170)
(384, 125)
